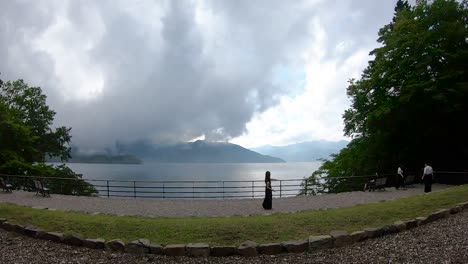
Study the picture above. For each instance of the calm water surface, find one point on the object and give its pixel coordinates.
(193, 172)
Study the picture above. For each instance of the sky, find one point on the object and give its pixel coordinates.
(249, 72)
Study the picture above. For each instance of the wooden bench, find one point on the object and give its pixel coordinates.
(41, 189)
(409, 180)
(376, 184)
(5, 186)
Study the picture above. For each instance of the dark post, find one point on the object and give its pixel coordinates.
(164, 192)
(134, 189)
(223, 190)
(107, 188)
(253, 194)
(305, 191)
(281, 189)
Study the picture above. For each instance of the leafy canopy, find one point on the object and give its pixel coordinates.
(27, 139)
(410, 104)
(25, 125)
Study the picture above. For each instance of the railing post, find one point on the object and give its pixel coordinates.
(305, 185)
(253, 194)
(281, 189)
(134, 189)
(193, 190)
(223, 190)
(107, 188)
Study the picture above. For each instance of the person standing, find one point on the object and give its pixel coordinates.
(427, 178)
(267, 202)
(400, 181)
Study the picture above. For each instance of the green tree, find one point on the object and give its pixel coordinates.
(410, 103)
(28, 111)
(26, 139)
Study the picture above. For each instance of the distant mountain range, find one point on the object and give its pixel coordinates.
(202, 151)
(196, 152)
(303, 152)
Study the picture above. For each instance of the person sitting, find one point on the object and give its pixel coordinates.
(5, 186)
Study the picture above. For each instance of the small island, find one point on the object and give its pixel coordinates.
(106, 159)
(99, 158)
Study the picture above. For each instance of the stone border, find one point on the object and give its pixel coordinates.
(336, 238)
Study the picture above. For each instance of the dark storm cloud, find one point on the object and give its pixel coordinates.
(169, 70)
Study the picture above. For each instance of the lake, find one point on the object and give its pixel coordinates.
(222, 173)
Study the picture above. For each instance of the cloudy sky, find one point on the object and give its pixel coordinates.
(251, 72)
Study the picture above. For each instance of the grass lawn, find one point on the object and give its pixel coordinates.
(235, 230)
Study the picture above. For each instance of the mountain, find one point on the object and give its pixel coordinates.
(198, 151)
(305, 151)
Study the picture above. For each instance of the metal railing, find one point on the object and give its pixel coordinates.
(205, 189)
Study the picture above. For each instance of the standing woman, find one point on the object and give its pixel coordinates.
(427, 177)
(268, 192)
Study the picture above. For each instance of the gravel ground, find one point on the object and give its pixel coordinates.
(207, 208)
(444, 241)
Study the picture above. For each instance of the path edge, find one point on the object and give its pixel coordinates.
(335, 239)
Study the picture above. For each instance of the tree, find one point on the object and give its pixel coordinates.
(26, 139)
(411, 101)
(25, 109)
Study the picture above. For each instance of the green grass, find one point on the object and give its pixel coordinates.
(235, 230)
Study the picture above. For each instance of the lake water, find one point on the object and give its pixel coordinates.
(220, 173)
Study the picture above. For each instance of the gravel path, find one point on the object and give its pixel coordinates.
(443, 241)
(207, 208)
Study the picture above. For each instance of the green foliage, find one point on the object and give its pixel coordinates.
(26, 139)
(410, 104)
(26, 114)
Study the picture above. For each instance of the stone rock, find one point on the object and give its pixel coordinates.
(52, 209)
(31, 231)
(156, 249)
(443, 213)
(248, 249)
(39, 207)
(223, 251)
(198, 250)
(17, 228)
(2, 220)
(373, 232)
(270, 248)
(115, 245)
(320, 242)
(463, 205)
(97, 243)
(53, 236)
(454, 210)
(421, 220)
(140, 247)
(296, 246)
(388, 230)
(7, 226)
(73, 240)
(358, 236)
(411, 224)
(399, 226)
(340, 238)
(40, 234)
(174, 250)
